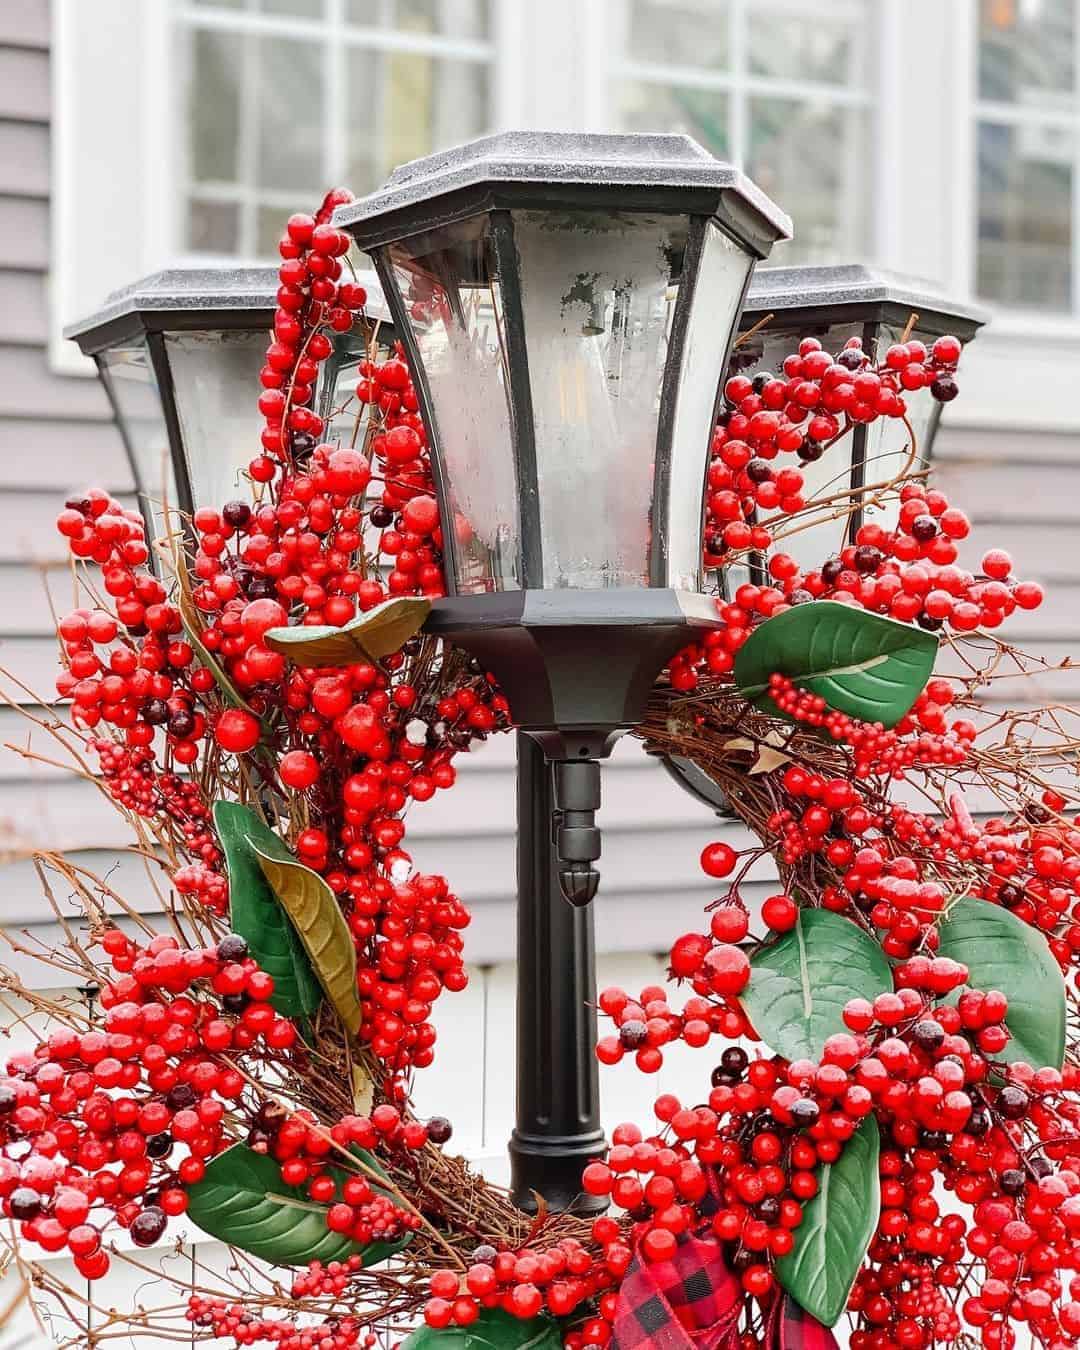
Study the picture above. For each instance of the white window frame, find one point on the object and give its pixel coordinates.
(738, 82)
(113, 163)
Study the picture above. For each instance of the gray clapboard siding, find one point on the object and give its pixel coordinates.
(28, 388)
(1045, 552)
(42, 452)
(989, 490)
(23, 308)
(33, 661)
(1035, 447)
(24, 84)
(24, 228)
(25, 23)
(23, 588)
(24, 159)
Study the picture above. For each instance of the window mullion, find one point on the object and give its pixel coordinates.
(335, 168)
(248, 145)
(738, 108)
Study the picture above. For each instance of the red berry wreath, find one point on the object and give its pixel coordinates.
(893, 1124)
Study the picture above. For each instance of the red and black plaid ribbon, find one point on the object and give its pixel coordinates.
(796, 1329)
(693, 1302)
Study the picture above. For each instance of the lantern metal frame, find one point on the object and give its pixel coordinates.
(192, 300)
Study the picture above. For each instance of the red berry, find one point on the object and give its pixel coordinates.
(780, 912)
(718, 860)
(237, 731)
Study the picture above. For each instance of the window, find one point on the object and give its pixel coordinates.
(279, 99)
(1028, 154)
(778, 86)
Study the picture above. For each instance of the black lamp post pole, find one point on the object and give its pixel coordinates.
(558, 1094)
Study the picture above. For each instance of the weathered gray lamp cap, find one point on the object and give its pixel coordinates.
(547, 169)
(855, 292)
(182, 298)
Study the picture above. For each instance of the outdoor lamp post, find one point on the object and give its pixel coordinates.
(834, 304)
(179, 354)
(566, 302)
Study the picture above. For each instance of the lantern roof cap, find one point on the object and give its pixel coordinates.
(187, 297)
(559, 169)
(856, 286)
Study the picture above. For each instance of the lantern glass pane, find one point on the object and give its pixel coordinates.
(597, 293)
(130, 379)
(346, 418)
(452, 292)
(888, 444)
(721, 280)
(213, 376)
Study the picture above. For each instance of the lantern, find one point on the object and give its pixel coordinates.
(179, 354)
(566, 301)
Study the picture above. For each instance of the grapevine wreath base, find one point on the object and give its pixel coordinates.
(889, 1123)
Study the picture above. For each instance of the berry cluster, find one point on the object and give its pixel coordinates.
(814, 403)
(558, 1279)
(222, 1317)
(109, 1126)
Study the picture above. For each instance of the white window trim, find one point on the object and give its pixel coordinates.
(113, 163)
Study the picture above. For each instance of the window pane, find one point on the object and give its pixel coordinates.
(813, 48)
(213, 106)
(701, 113)
(449, 18)
(1025, 184)
(304, 9)
(213, 227)
(1026, 51)
(270, 226)
(813, 159)
(404, 104)
(679, 32)
(287, 80)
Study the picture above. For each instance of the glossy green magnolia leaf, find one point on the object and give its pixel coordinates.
(317, 919)
(492, 1330)
(800, 983)
(860, 663)
(242, 1200)
(836, 1229)
(1002, 952)
(254, 911)
(368, 637)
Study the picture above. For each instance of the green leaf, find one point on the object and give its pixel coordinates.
(368, 637)
(494, 1329)
(317, 920)
(860, 663)
(836, 1229)
(243, 1201)
(799, 985)
(254, 911)
(1002, 952)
